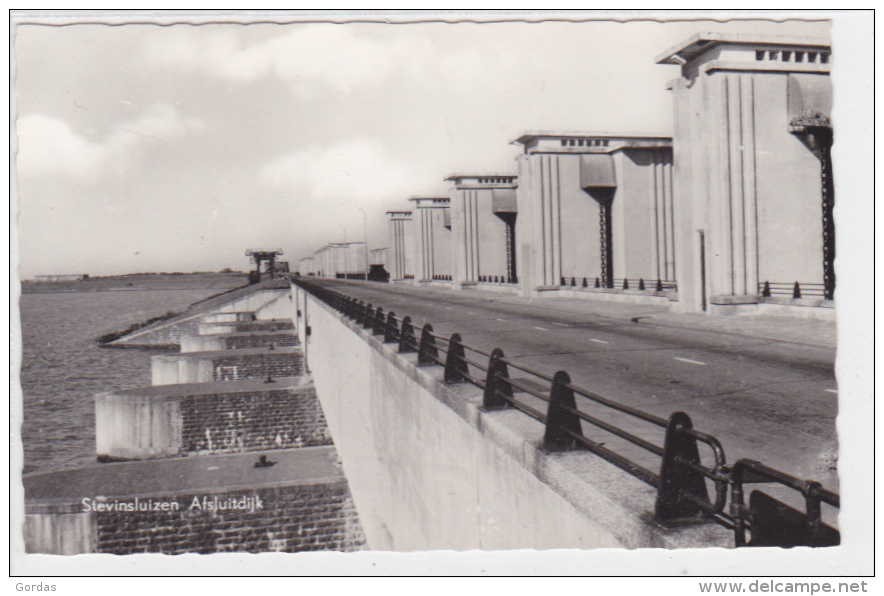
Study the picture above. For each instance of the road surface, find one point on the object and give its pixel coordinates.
(765, 398)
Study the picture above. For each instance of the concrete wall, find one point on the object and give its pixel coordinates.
(147, 423)
(238, 341)
(228, 316)
(227, 365)
(295, 518)
(428, 470)
(279, 308)
(253, 301)
(59, 530)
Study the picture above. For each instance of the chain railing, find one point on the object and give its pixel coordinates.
(683, 480)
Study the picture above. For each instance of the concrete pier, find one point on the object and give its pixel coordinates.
(403, 245)
(594, 206)
(483, 219)
(752, 169)
(433, 221)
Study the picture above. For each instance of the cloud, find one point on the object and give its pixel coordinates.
(50, 146)
(354, 170)
(309, 57)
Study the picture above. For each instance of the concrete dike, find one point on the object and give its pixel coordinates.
(227, 451)
(429, 469)
(260, 302)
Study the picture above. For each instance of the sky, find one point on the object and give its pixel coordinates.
(175, 148)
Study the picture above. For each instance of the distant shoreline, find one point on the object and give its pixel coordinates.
(139, 282)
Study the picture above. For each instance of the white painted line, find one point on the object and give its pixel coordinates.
(691, 361)
(561, 324)
(598, 341)
(542, 328)
(212, 468)
(501, 319)
(832, 390)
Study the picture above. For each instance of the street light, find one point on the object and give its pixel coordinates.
(365, 223)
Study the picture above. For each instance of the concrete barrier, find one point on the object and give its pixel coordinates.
(429, 470)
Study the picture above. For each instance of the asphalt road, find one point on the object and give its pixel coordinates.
(767, 399)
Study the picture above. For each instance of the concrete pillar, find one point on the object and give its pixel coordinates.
(479, 233)
(433, 237)
(402, 244)
(594, 206)
(747, 179)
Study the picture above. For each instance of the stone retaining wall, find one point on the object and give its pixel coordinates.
(318, 516)
(294, 519)
(277, 340)
(244, 422)
(279, 364)
(139, 425)
(204, 367)
(273, 325)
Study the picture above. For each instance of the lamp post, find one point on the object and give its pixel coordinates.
(365, 223)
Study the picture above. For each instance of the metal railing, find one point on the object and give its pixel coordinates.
(498, 279)
(683, 480)
(659, 285)
(793, 290)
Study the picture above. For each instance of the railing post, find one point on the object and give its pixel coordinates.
(659, 287)
(427, 350)
(559, 420)
(738, 505)
(496, 385)
(676, 478)
(360, 313)
(407, 341)
(368, 317)
(378, 327)
(796, 291)
(625, 284)
(455, 361)
(641, 283)
(391, 332)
